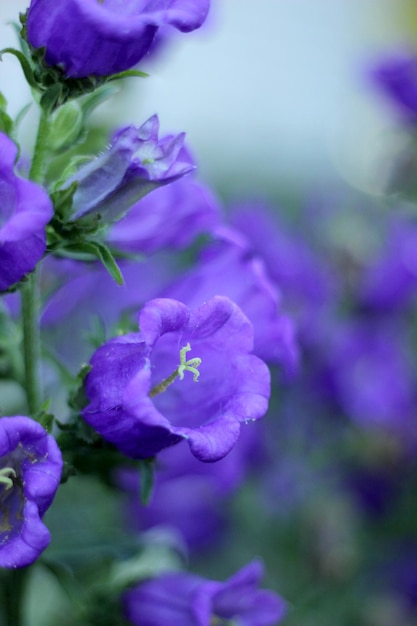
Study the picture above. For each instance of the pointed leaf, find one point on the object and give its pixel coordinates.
(101, 252)
(24, 63)
(128, 74)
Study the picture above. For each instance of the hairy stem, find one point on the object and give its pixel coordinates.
(31, 344)
(29, 293)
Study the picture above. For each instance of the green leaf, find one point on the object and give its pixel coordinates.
(24, 63)
(77, 397)
(101, 252)
(147, 478)
(21, 114)
(68, 470)
(51, 98)
(6, 122)
(62, 200)
(128, 74)
(47, 421)
(63, 573)
(24, 47)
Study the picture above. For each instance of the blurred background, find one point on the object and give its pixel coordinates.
(276, 89)
(314, 163)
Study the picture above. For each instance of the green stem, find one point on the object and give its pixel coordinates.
(31, 344)
(29, 293)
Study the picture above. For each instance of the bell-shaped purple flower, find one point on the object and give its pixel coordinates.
(92, 37)
(171, 217)
(227, 267)
(30, 472)
(136, 163)
(189, 600)
(25, 209)
(188, 374)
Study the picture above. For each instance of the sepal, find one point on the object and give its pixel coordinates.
(45, 418)
(101, 252)
(25, 64)
(50, 80)
(6, 122)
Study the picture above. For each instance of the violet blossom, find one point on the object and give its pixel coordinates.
(30, 473)
(171, 217)
(188, 374)
(88, 37)
(190, 600)
(305, 281)
(371, 375)
(24, 212)
(228, 267)
(136, 163)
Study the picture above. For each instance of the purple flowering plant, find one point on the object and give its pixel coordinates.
(187, 387)
(188, 370)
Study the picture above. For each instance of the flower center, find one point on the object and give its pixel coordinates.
(190, 365)
(8, 479)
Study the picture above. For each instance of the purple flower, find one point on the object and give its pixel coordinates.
(30, 473)
(396, 77)
(189, 600)
(101, 38)
(306, 284)
(373, 376)
(84, 295)
(172, 217)
(227, 267)
(136, 163)
(188, 374)
(25, 209)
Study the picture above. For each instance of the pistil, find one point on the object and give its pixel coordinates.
(7, 474)
(190, 365)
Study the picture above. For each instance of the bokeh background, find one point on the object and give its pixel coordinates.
(276, 89)
(280, 110)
